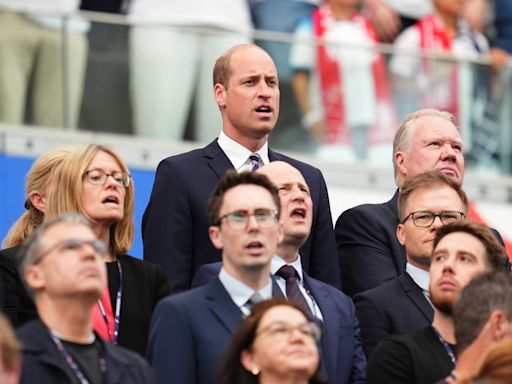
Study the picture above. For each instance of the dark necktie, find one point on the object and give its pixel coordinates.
(293, 291)
(253, 300)
(254, 161)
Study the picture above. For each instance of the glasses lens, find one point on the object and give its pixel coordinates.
(96, 176)
(423, 219)
(265, 218)
(450, 216)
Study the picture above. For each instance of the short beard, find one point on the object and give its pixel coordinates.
(443, 305)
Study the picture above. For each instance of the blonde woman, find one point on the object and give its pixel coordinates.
(16, 304)
(95, 182)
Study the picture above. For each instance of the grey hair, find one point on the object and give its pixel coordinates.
(32, 246)
(404, 133)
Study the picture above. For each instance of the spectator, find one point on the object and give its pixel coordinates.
(436, 83)
(171, 64)
(17, 305)
(461, 251)
(347, 108)
(95, 182)
(401, 305)
(62, 265)
(191, 330)
(175, 225)
(275, 343)
(45, 55)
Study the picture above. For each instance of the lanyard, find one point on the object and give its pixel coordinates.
(446, 346)
(71, 363)
(117, 315)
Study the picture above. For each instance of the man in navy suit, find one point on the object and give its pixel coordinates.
(190, 331)
(401, 305)
(175, 225)
(341, 349)
(368, 250)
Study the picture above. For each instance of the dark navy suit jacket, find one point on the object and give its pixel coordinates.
(190, 332)
(175, 223)
(341, 348)
(395, 307)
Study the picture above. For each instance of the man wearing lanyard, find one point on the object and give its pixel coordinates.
(62, 266)
(461, 251)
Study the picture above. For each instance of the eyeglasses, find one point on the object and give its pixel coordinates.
(72, 246)
(238, 220)
(426, 218)
(99, 177)
(281, 331)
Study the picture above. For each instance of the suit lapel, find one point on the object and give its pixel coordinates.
(393, 205)
(222, 306)
(414, 292)
(276, 290)
(217, 159)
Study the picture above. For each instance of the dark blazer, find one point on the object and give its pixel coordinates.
(144, 285)
(175, 223)
(17, 304)
(190, 332)
(395, 307)
(341, 348)
(43, 363)
(368, 250)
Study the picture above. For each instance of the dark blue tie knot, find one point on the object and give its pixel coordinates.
(287, 272)
(254, 161)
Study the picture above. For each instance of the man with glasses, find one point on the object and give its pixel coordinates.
(62, 265)
(191, 330)
(426, 202)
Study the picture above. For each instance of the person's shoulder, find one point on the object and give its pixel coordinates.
(362, 213)
(8, 258)
(122, 358)
(379, 293)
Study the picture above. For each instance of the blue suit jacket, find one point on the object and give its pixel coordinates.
(175, 223)
(341, 348)
(190, 332)
(368, 250)
(396, 307)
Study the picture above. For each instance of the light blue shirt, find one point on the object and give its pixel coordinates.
(241, 293)
(420, 277)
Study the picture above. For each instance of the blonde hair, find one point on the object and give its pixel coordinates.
(38, 179)
(10, 349)
(66, 198)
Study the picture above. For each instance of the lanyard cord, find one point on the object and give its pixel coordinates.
(446, 346)
(71, 362)
(117, 315)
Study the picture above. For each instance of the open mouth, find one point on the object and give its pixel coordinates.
(264, 109)
(111, 200)
(299, 213)
(255, 247)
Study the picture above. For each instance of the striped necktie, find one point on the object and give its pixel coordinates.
(254, 161)
(293, 291)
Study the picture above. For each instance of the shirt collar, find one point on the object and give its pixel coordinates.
(239, 292)
(420, 276)
(277, 263)
(237, 153)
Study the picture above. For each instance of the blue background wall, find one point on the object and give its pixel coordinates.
(12, 178)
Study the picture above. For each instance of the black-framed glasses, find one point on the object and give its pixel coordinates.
(99, 177)
(281, 331)
(72, 246)
(426, 218)
(238, 220)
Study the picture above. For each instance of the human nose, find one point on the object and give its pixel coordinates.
(448, 152)
(437, 223)
(252, 223)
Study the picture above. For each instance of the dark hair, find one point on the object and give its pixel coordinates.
(233, 179)
(232, 370)
(495, 253)
(483, 295)
(428, 181)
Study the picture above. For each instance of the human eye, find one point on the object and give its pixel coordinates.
(119, 177)
(438, 257)
(457, 147)
(278, 329)
(466, 258)
(71, 244)
(238, 216)
(248, 81)
(262, 214)
(424, 217)
(95, 175)
(449, 216)
(434, 144)
(283, 190)
(272, 82)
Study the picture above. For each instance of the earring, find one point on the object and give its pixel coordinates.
(255, 371)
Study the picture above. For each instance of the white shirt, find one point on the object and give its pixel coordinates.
(241, 293)
(238, 154)
(276, 263)
(420, 277)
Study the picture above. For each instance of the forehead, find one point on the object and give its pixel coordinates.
(434, 127)
(462, 242)
(284, 314)
(251, 61)
(280, 174)
(62, 231)
(105, 160)
(246, 197)
(439, 198)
